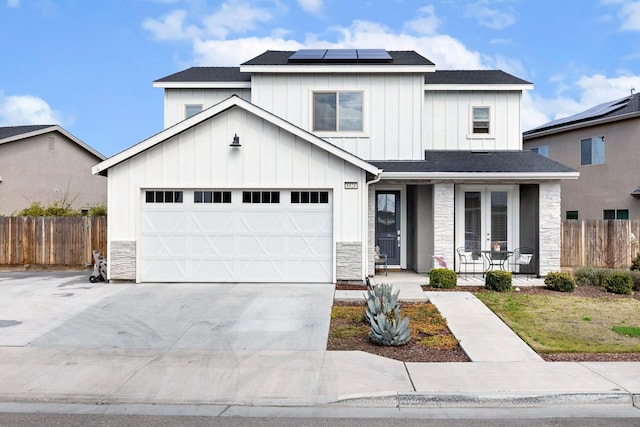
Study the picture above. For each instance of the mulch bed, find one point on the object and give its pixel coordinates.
(413, 352)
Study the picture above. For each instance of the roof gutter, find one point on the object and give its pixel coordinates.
(481, 176)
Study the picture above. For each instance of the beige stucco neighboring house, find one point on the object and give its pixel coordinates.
(47, 164)
(603, 144)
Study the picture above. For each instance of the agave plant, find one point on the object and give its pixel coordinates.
(383, 314)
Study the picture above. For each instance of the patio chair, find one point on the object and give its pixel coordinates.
(466, 258)
(523, 259)
(380, 259)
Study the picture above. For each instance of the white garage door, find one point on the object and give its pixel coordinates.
(236, 236)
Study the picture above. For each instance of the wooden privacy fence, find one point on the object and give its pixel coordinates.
(599, 243)
(51, 241)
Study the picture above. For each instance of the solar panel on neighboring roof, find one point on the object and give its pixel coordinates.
(308, 55)
(374, 55)
(591, 113)
(344, 56)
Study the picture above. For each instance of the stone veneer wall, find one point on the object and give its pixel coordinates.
(550, 227)
(349, 261)
(443, 222)
(122, 260)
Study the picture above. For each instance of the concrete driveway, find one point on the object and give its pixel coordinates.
(52, 309)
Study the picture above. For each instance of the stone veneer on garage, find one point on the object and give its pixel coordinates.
(349, 261)
(122, 260)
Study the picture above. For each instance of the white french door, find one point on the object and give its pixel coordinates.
(485, 219)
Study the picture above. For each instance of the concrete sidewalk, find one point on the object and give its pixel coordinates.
(177, 367)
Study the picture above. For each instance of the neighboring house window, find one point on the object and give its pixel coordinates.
(622, 214)
(543, 150)
(163, 196)
(260, 197)
(212, 197)
(615, 214)
(337, 111)
(481, 120)
(592, 151)
(192, 110)
(309, 197)
(572, 214)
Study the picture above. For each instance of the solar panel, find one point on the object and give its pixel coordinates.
(341, 55)
(597, 111)
(374, 55)
(308, 55)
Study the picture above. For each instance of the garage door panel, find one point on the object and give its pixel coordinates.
(237, 242)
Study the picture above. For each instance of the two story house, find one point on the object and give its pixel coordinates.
(602, 144)
(294, 166)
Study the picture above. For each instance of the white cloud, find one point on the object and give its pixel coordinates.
(27, 110)
(488, 16)
(311, 6)
(13, 3)
(425, 23)
(629, 13)
(235, 16)
(171, 27)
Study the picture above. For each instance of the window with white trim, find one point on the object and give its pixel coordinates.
(212, 197)
(481, 120)
(309, 197)
(260, 197)
(163, 196)
(338, 111)
(192, 110)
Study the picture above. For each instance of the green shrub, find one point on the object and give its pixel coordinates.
(498, 280)
(591, 276)
(619, 282)
(561, 282)
(443, 278)
(635, 278)
(635, 263)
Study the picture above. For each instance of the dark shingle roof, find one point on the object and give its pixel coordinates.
(281, 57)
(474, 161)
(612, 109)
(208, 74)
(496, 77)
(9, 131)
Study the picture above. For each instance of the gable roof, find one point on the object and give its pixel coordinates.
(16, 133)
(229, 76)
(521, 164)
(619, 109)
(233, 101)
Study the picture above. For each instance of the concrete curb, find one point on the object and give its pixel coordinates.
(493, 400)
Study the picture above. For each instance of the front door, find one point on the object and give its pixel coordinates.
(388, 225)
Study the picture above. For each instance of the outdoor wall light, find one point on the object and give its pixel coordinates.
(236, 141)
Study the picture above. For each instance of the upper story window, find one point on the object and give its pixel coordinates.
(338, 111)
(192, 110)
(481, 120)
(615, 214)
(592, 150)
(542, 150)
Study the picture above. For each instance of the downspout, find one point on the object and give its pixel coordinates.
(365, 240)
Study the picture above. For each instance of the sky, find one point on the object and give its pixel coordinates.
(88, 65)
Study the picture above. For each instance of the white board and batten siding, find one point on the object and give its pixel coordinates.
(269, 159)
(176, 100)
(448, 120)
(393, 109)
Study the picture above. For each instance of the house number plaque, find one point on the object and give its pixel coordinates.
(351, 185)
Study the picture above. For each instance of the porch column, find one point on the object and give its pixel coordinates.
(550, 227)
(443, 222)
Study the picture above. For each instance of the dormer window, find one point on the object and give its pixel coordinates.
(339, 111)
(481, 120)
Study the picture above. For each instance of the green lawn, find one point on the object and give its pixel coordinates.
(562, 323)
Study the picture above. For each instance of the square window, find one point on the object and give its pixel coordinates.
(324, 197)
(266, 197)
(338, 111)
(178, 197)
(481, 120)
(609, 214)
(255, 197)
(168, 196)
(149, 196)
(304, 197)
(295, 197)
(572, 214)
(275, 197)
(159, 196)
(226, 197)
(208, 196)
(197, 197)
(192, 110)
(315, 198)
(217, 197)
(246, 197)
